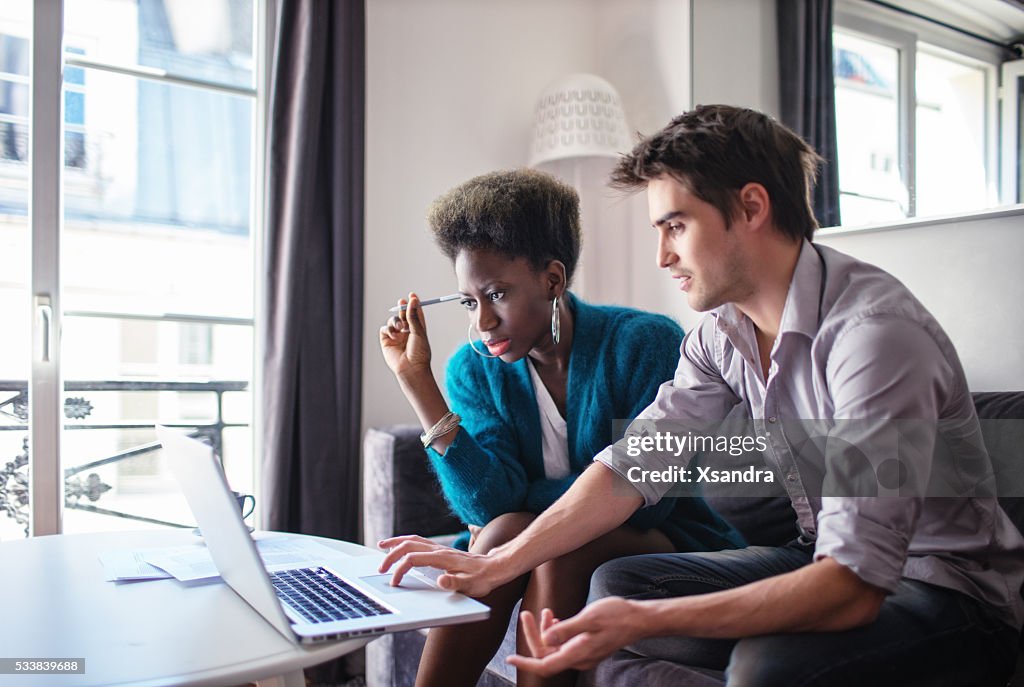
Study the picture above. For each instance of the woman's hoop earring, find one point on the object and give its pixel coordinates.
(469, 335)
(556, 321)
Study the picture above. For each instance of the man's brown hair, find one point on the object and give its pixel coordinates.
(715, 150)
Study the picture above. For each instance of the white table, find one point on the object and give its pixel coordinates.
(55, 603)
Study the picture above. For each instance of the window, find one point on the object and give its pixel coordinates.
(915, 118)
(154, 281)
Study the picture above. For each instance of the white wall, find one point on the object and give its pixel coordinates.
(735, 54)
(644, 50)
(734, 61)
(966, 270)
(451, 87)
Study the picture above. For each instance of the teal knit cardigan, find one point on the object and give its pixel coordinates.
(495, 464)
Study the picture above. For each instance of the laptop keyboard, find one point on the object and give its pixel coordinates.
(320, 596)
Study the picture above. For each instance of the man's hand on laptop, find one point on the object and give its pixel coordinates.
(470, 573)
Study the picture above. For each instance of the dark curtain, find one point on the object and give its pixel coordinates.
(807, 88)
(314, 270)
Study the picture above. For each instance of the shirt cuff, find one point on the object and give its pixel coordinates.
(874, 552)
(647, 490)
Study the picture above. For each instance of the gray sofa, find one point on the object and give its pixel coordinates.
(401, 496)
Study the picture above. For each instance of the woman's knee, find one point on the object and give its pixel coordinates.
(500, 530)
(572, 564)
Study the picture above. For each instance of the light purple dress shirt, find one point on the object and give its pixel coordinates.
(853, 344)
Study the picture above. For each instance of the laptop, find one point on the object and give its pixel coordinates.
(341, 598)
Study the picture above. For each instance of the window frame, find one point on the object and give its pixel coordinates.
(910, 35)
(1010, 89)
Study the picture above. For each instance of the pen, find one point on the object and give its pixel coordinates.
(430, 301)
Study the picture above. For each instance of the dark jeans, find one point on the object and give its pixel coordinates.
(924, 635)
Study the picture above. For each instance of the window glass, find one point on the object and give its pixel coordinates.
(14, 104)
(950, 168)
(15, 247)
(159, 153)
(867, 130)
(209, 40)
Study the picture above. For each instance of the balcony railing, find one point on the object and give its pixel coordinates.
(82, 491)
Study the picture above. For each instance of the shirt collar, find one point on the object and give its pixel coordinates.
(800, 313)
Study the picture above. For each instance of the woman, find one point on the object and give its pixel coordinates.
(531, 402)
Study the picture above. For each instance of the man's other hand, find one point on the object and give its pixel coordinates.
(580, 642)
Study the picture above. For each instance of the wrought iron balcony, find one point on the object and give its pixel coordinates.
(82, 491)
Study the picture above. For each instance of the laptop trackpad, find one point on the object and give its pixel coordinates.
(410, 583)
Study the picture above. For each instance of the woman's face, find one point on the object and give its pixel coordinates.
(507, 300)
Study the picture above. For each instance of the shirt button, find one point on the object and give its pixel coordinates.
(791, 478)
(772, 419)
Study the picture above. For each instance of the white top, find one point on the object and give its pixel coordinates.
(553, 439)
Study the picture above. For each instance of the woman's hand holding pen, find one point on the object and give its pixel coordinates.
(406, 349)
(403, 340)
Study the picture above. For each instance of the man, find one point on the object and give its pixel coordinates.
(905, 588)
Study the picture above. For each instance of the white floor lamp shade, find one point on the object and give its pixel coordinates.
(579, 115)
(579, 131)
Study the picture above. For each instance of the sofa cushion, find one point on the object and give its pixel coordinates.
(766, 520)
(402, 495)
(1007, 405)
(762, 520)
(1002, 425)
(1001, 414)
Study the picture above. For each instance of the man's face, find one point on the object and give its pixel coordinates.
(696, 247)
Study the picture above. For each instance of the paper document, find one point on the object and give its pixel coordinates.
(193, 562)
(275, 550)
(129, 565)
(183, 562)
